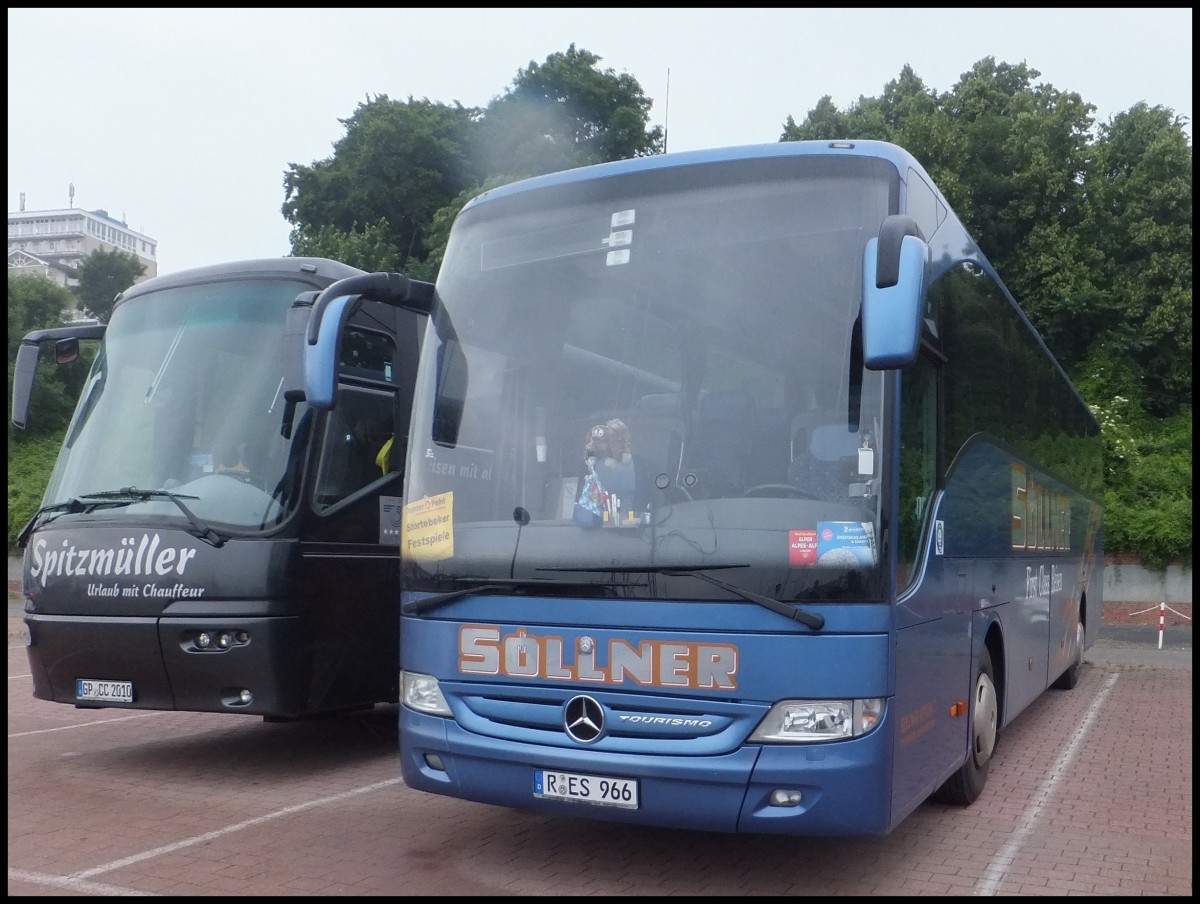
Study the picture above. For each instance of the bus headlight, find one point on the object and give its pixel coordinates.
(809, 721)
(421, 692)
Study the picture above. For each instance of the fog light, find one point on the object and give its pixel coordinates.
(243, 637)
(433, 761)
(245, 696)
(224, 640)
(785, 797)
(203, 640)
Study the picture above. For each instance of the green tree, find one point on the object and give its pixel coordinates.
(102, 276)
(564, 113)
(29, 465)
(1093, 237)
(1009, 154)
(907, 113)
(1139, 227)
(438, 232)
(398, 163)
(1147, 498)
(825, 122)
(36, 303)
(369, 248)
(397, 179)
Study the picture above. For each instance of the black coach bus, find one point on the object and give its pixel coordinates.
(208, 541)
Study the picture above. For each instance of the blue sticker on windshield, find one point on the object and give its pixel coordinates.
(847, 544)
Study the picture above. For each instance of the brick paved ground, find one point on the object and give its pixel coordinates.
(1090, 794)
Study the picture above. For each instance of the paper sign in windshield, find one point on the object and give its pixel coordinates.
(846, 544)
(802, 548)
(428, 529)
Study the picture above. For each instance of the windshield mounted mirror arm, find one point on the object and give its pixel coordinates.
(336, 303)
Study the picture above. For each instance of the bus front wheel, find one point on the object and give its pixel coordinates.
(965, 785)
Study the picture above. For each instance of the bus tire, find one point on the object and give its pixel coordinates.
(1070, 677)
(965, 785)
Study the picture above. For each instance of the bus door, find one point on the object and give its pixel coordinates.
(933, 642)
(351, 537)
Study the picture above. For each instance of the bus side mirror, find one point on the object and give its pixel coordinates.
(327, 322)
(321, 356)
(66, 349)
(894, 266)
(27, 359)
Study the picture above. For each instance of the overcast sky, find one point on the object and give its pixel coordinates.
(183, 122)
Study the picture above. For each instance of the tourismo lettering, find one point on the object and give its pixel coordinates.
(485, 650)
(135, 556)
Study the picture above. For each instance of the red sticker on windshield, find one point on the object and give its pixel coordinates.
(802, 547)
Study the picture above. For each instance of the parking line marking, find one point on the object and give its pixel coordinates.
(236, 827)
(25, 734)
(997, 869)
(66, 883)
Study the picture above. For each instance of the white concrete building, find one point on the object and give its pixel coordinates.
(52, 242)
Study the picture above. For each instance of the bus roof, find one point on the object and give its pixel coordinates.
(312, 268)
(884, 150)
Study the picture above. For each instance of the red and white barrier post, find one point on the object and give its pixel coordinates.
(1162, 618)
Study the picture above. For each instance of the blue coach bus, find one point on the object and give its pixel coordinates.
(742, 497)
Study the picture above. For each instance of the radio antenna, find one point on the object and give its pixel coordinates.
(667, 110)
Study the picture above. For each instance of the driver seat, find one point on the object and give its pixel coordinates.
(722, 443)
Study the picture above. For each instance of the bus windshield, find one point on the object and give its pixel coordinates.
(187, 395)
(662, 369)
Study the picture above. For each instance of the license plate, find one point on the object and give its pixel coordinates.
(103, 691)
(604, 790)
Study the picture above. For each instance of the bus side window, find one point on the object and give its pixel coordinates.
(359, 427)
(918, 462)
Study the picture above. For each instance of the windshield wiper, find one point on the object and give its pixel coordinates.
(76, 505)
(133, 494)
(814, 620)
(73, 506)
(88, 502)
(502, 585)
